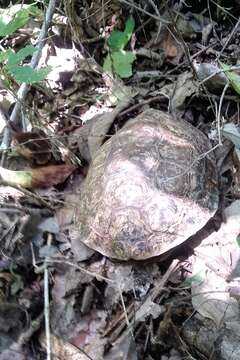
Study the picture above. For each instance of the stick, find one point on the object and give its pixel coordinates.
(24, 88)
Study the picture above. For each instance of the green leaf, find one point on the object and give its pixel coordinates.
(108, 64)
(118, 60)
(18, 21)
(4, 55)
(119, 39)
(15, 58)
(129, 27)
(233, 77)
(14, 9)
(122, 63)
(23, 74)
(26, 74)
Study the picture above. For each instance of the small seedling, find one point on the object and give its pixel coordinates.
(118, 60)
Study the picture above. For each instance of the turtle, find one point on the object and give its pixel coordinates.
(149, 188)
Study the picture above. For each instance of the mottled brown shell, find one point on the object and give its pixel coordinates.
(148, 189)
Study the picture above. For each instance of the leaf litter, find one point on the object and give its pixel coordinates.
(101, 309)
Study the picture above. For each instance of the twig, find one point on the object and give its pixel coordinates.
(229, 38)
(219, 71)
(13, 208)
(192, 57)
(156, 17)
(154, 7)
(233, 98)
(187, 53)
(153, 294)
(91, 273)
(98, 276)
(148, 53)
(125, 311)
(157, 12)
(34, 326)
(224, 10)
(46, 302)
(159, 286)
(219, 113)
(212, 22)
(182, 42)
(23, 90)
(144, 102)
(27, 193)
(150, 74)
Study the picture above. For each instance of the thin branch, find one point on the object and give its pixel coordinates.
(229, 38)
(156, 17)
(219, 113)
(24, 88)
(91, 273)
(46, 302)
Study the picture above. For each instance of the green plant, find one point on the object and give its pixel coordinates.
(118, 60)
(233, 77)
(12, 19)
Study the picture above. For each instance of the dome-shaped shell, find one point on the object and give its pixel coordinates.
(149, 188)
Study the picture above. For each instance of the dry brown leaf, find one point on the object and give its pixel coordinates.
(51, 175)
(33, 145)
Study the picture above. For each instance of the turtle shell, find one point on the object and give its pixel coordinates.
(148, 189)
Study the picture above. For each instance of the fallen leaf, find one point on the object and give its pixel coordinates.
(172, 48)
(218, 257)
(41, 177)
(33, 145)
(183, 88)
(211, 76)
(51, 175)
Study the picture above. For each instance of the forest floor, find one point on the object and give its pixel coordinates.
(103, 63)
